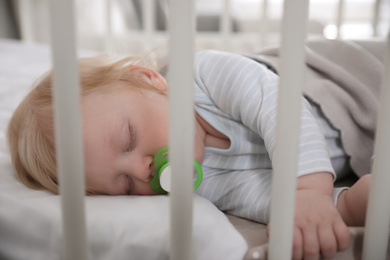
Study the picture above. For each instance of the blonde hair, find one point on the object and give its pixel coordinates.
(31, 129)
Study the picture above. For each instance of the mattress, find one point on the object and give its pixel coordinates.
(118, 227)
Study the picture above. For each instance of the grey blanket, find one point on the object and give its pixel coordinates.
(344, 79)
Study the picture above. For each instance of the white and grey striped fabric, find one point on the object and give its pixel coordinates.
(238, 97)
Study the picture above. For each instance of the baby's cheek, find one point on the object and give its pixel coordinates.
(144, 190)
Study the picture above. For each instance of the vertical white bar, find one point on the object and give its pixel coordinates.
(378, 214)
(288, 128)
(181, 137)
(264, 23)
(148, 9)
(226, 24)
(376, 17)
(339, 17)
(26, 20)
(109, 39)
(67, 121)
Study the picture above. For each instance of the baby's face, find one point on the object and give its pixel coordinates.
(122, 131)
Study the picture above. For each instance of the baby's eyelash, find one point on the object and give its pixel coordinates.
(132, 139)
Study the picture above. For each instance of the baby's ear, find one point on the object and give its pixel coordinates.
(152, 77)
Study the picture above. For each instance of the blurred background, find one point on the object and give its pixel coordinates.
(131, 26)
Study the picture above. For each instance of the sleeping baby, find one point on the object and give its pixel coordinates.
(125, 123)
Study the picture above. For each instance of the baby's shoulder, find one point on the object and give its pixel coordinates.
(210, 53)
(219, 59)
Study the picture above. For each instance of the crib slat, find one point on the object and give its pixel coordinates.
(378, 215)
(340, 17)
(26, 21)
(288, 128)
(226, 24)
(376, 17)
(148, 20)
(264, 23)
(109, 39)
(66, 93)
(180, 79)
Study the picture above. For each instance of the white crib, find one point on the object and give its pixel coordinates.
(182, 41)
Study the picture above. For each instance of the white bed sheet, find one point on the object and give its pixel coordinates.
(121, 227)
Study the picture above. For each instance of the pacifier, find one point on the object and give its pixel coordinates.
(161, 182)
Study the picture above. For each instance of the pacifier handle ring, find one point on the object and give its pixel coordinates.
(199, 175)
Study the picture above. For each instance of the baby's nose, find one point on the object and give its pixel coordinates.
(146, 169)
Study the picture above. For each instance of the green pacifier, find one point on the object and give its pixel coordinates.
(161, 182)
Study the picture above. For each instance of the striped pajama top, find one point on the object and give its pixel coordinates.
(238, 97)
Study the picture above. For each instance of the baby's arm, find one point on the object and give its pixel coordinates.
(352, 203)
(318, 226)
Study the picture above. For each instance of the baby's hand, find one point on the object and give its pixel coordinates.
(318, 226)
